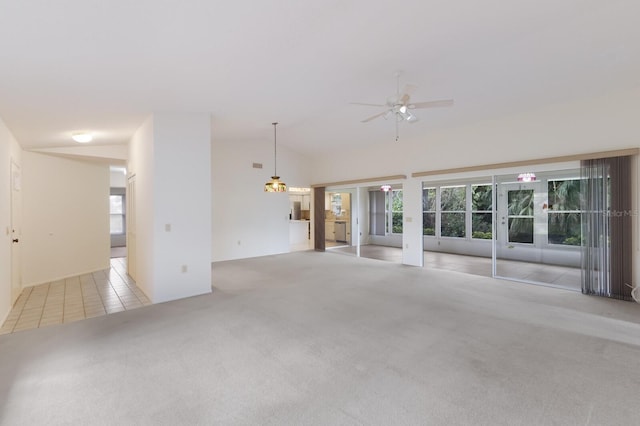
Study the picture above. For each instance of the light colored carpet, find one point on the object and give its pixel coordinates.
(320, 339)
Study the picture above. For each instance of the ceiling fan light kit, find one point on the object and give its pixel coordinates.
(400, 104)
(275, 184)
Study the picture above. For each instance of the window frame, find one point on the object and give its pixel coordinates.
(472, 211)
(464, 212)
(434, 211)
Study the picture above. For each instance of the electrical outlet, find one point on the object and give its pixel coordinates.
(184, 268)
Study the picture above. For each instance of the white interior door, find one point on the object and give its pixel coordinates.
(131, 226)
(16, 231)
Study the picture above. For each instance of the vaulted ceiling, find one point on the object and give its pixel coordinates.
(104, 66)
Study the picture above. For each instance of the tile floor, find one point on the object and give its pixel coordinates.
(561, 276)
(72, 299)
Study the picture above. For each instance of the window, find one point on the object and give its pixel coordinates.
(336, 204)
(481, 207)
(564, 212)
(396, 211)
(429, 211)
(385, 214)
(453, 208)
(520, 214)
(116, 210)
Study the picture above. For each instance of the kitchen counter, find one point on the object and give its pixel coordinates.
(299, 231)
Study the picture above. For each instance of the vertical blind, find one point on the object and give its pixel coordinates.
(606, 227)
(377, 220)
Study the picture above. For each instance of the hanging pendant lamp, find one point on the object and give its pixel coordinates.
(275, 184)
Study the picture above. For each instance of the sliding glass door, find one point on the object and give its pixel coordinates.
(537, 225)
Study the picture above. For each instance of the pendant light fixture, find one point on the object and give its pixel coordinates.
(275, 184)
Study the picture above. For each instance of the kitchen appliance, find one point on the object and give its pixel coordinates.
(341, 231)
(295, 214)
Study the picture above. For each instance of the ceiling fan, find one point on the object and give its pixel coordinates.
(399, 105)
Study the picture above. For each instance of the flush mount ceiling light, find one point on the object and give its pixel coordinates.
(82, 137)
(275, 184)
(526, 177)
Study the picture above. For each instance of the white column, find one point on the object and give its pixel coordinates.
(170, 156)
(412, 223)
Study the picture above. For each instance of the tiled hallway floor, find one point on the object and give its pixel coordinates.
(72, 299)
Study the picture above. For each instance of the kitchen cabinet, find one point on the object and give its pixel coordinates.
(329, 231)
(306, 202)
(346, 204)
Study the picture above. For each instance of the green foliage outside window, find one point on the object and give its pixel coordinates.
(453, 206)
(429, 211)
(564, 223)
(481, 216)
(396, 211)
(520, 207)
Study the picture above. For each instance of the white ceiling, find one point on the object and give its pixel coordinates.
(104, 66)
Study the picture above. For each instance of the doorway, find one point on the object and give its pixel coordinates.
(118, 211)
(337, 219)
(538, 228)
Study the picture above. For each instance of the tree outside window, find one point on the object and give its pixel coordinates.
(453, 210)
(481, 208)
(520, 214)
(396, 211)
(564, 226)
(429, 211)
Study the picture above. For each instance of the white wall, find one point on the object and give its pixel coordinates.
(117, 179)
(141, 168)
(412, 223)
(170, 157)
(248, 222)
(598, 124)
(9, 150)
(65, 217)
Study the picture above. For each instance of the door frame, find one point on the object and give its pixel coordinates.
(16, 230)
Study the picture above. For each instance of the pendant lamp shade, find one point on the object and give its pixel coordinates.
(275, 184)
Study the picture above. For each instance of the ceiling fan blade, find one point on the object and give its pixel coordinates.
(374, 117)
(360, 103)
(432, 104)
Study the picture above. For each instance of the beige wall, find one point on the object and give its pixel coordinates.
(65, 217)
